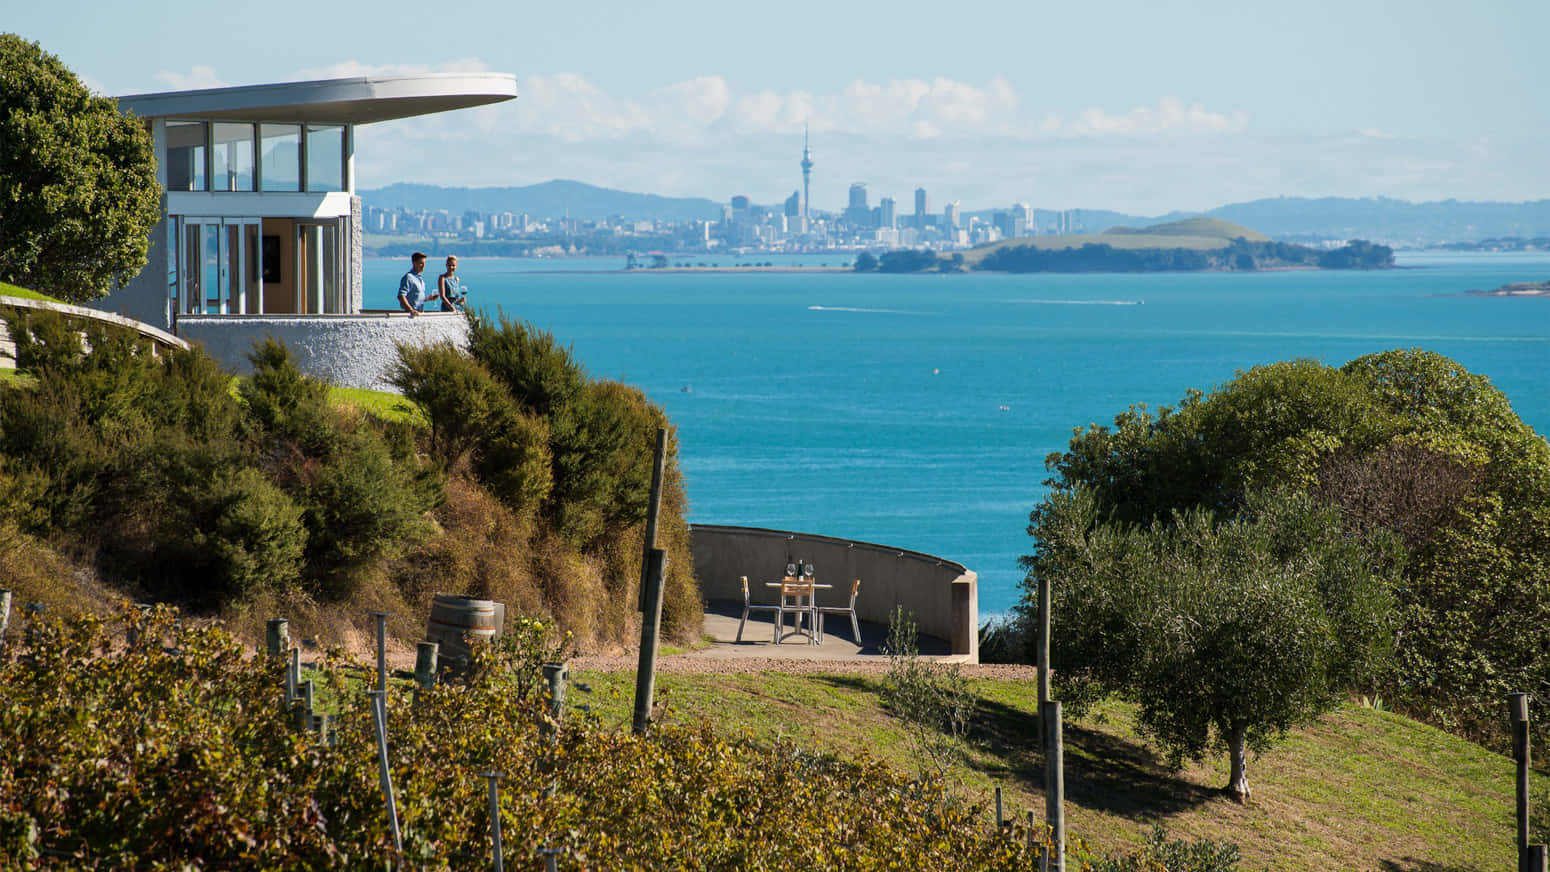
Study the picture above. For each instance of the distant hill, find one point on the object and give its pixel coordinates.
(1189, 244)
(560, 198)
(1197, 228)
(1194, 234)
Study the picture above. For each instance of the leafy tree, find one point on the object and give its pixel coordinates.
(1405, 441)
(905, 260)
(78, 192)
(1226, 633)
(866, 261)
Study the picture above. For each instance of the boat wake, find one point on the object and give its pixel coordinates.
(1081, 302)
(853, 309)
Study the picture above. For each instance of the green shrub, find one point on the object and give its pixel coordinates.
(473, 415)
(174, 752)
(1162, 854)
(542, 376)
(231, 536)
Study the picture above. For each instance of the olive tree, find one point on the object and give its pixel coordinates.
(1226, 633)
(78, 191)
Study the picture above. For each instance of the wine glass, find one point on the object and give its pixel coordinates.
(808, 571)
(791, 570)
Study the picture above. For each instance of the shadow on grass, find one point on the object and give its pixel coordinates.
(1103, 772)
(1412, 864)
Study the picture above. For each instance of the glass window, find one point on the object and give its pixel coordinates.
(186, 145)
(281, 156)
(231, 153)
(325, 157)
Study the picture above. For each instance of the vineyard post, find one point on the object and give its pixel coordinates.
(1000, 811)
(495, 818)
(379, 716)
(1517, 704)
(5, 612)
(306, 703)
(292, 676)
(650, 626)
(426, 654)
(1043, 653)
(381, 650)
(653, 510)
(277, 634)
(1054, 782)
(551, 864)
(653, 566)
(556, 674)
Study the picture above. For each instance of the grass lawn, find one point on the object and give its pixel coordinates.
(1360, 789)
(379, 404)
(9, 290)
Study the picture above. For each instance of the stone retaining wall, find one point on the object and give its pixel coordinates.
(346, 350)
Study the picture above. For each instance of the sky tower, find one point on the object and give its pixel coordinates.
(807, 173)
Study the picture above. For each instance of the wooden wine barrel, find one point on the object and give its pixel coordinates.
(459, 622)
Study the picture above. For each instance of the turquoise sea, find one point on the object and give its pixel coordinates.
(916, 410)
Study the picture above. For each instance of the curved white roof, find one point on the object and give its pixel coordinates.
(360, 100)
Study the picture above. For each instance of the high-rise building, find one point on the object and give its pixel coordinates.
(794, 205)
(858, 213)
(887, 213)
(1022, 219)
(922, 205)
(950, 215)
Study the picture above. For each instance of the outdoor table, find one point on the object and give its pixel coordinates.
(812, 629)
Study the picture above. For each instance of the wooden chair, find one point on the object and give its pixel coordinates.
(750, 607)
(855, 625)
(796, 597)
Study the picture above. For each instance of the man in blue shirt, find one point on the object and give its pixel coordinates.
(411, 288)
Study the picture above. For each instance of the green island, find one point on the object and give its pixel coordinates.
(1190, 245)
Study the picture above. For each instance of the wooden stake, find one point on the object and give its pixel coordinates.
(425, 656)
(653, 511)
(1517, 704)
(277, 634)
(650, 626)
(1054, 782)
(381, 650)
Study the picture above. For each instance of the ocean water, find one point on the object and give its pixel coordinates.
(916, 410)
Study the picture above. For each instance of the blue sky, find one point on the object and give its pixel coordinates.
(1141, 107)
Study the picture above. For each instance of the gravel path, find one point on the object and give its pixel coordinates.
(690, 665)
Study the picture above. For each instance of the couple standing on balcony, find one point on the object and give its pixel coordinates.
(411, 288)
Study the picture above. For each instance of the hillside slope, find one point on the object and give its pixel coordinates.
(1359, 790)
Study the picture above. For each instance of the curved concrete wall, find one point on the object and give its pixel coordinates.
(158, 337)
(943, 595)
(353, 351)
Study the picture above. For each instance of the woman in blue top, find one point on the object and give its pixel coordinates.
(450, 287)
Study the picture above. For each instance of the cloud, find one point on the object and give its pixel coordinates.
(1170, 117)
(195, 79)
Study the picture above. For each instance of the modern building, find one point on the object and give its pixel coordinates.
(261, 227)
(922, 206)
(950, 216)
(888, 213)
(858, 212)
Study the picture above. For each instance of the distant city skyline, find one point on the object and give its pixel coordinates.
(1130, 106)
